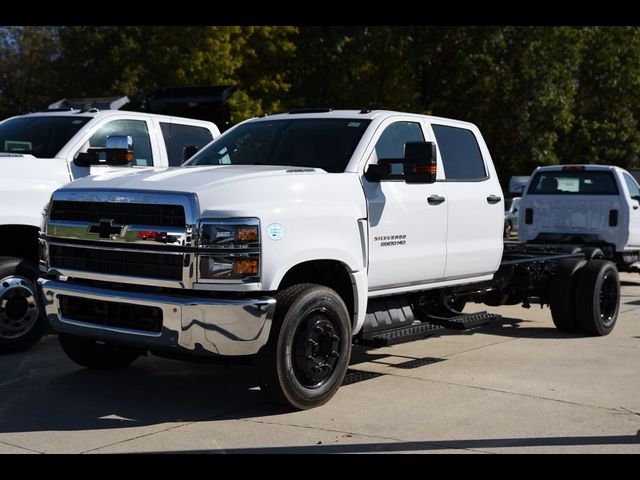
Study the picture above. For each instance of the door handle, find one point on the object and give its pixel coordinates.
(435, 200)
(493, 199)
(635, 207)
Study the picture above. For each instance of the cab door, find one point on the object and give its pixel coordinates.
(407, 222)
(475, 202)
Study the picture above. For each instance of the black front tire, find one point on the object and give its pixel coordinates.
(22, 321)
(309, 348)
(563, 294)
(91, 354)
(598, 297)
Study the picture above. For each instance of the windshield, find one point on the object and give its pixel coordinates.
(313, 143)
(584, 182)
(42, 137)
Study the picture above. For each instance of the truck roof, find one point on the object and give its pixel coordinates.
(111, 113)
(354, 114)
(548, 168)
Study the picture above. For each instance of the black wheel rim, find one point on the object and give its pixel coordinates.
(316, 348)
(609, 297)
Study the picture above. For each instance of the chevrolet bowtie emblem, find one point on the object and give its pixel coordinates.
(105, 228)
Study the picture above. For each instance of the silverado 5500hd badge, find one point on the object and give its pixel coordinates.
(391, 240)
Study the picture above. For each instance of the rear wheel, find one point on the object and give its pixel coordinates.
(598, 297)
(22, 322)
(91, 354)
(563, 294)
(307, 355)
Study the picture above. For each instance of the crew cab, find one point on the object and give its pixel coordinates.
(39, 152)
(289, 238)
(591, 207)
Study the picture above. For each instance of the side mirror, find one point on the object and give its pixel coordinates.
(420, 162)
(188, 152)
(117, 152)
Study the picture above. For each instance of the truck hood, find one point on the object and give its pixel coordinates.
(26, 184)
(273, 194)
(187, 179)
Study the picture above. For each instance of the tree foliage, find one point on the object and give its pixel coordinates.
(540, 95)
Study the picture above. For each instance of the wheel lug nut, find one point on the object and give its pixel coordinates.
(335, 338)
(334, 354)
(317, 329)
(312, 343)
(309, 358)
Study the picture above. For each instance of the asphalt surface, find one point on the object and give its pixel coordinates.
(519, 386)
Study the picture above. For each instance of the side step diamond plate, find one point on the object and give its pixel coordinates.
(400, 335)
(465, 322)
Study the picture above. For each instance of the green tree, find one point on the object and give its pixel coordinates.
(607, 103)
(136, 60)
(27, 81)
(352, 67)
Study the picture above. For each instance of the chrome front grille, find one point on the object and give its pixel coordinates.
(123, 236)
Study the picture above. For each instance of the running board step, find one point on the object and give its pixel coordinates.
(464, 322)
(400, 335)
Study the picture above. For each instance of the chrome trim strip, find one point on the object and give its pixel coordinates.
(130, 234)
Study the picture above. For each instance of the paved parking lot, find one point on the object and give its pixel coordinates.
(519, 386)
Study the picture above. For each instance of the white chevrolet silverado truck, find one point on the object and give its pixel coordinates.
(40, 152)
(293, 236)
(592, 208)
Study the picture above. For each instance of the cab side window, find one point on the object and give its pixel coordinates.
(391, 142)
(460, 153)
(177, 137)
(634, 191)
(136, 129)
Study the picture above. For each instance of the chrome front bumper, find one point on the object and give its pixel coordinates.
(197, 326)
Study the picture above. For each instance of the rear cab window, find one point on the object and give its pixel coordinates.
(460, 154)
(584, 182)
(634, 191)
(178, 136)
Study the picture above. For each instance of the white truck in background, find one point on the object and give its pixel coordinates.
(291, 237)
(39, 152)
(589, 208)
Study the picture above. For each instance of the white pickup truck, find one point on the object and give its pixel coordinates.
(289, 238)
(40, 152)
(594, 208)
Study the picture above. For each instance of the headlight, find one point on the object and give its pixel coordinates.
(229, 249)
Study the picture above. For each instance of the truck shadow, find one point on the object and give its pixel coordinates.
(59, 396)
(515, 328)
(41, 390)
(438, 445)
